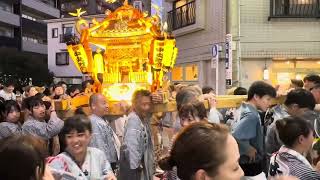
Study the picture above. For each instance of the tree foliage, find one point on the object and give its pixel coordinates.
(23, 65)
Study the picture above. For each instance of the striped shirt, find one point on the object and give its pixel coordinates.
(173, 174)
(7, 129)
(42, 129)
(137, 155)
(290, 162)
(103, 138)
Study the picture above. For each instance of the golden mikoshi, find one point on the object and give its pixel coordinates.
(125, 51)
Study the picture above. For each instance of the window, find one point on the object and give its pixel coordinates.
(62, 58)
(70, 6)
(294, 8)
(180, 3)
(5, 6)
(52, 3)
(67, 30)
(138, 5)
(99, 8)
(304, 2)
(284, 70)
(54, 32)
(177, 73)
(191, 72)
(84, 2)
(6, 31)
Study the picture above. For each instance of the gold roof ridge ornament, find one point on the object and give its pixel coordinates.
(78, 13)
(125, 51)
(111, 1)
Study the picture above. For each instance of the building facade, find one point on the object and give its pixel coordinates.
(22, 26)
(23, 40)
(197, 26)
(91, 7)
(277, 40)
(59, 61)
(98, 6)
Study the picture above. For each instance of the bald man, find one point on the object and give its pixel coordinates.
(103, 136)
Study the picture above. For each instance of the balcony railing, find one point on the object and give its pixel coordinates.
(62, 38)
(34, 46)
(69, 38)
(182, 16)
(52, 3)
(70, 6)
(294, 9)
(9, 42)
(34, 27)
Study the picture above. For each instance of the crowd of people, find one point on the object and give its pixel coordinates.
(258, 140)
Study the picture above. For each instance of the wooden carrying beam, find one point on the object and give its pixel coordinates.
(228, 101)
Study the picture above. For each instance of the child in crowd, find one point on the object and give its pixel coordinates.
(36, 125)
(11, 124)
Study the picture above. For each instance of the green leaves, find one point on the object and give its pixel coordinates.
(25, 65)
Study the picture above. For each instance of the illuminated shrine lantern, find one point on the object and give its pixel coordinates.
(132, 52)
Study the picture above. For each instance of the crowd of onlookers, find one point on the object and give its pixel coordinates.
(257, 140)
(10, 91)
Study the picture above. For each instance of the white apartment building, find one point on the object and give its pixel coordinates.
(59, 61)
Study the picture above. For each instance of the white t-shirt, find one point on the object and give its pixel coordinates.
(7, 96)
(214, 116)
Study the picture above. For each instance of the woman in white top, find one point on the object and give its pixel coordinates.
(7, 92)
(78, 161)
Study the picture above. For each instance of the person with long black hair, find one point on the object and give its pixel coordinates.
(297, 137)
(11, 125)
(204, 150)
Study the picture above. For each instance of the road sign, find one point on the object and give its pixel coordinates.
(228, 60)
